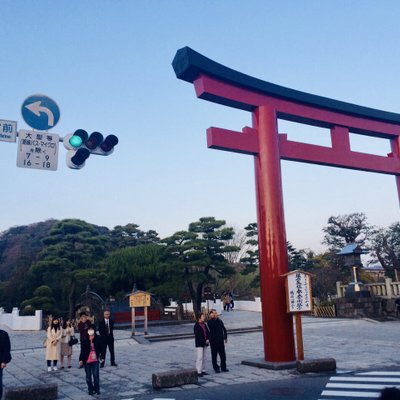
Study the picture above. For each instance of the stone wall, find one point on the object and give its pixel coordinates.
(21, 323)
(363, 307)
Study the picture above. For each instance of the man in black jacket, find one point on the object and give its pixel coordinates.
(106, 331)
(218, 338)
(5, 356)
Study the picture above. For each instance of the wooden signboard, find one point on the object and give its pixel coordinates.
(138, 298)
(298, 300)
(298, 291)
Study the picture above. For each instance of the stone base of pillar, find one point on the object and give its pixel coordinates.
(261, 363)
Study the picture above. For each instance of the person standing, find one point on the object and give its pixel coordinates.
(5, 356)
(53, 344)
(232, 302)
(106, 331)
(90, 358)
(226, 302)
(83, 326)
(218, 338)
(201, 342)
(66, 349)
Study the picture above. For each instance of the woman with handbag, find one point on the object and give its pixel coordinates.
(66, 349)
(53, 345)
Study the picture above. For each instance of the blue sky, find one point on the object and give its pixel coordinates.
(108, 66)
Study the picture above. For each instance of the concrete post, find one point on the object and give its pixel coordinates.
(388, 284)
(338, 289)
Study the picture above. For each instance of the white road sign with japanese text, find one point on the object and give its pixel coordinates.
(8, 131)
(37, 150)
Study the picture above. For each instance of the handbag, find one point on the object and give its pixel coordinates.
(72, 341)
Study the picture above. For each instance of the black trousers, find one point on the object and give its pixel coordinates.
(218, 348)
(108, 342)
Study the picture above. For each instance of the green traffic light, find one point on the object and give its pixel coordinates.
(75, 141)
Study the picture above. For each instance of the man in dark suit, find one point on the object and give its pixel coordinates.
(106, 331)
(218, 338)
(5, 356)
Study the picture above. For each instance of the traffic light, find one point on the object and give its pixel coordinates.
(81, 145)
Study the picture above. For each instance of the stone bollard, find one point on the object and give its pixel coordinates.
(317, 365)
(36, 392)
(174, 378)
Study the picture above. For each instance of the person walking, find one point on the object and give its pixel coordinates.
(90, 358)
(218, 338)
(201, 342)
(53, 344)
(66, 349)
(106, 331)
(5, 356)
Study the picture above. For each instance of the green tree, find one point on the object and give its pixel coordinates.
(297, 258)
(19, 248)
(130, 235)
(345, 229)
(69, 261)
(251, 260)
(140, 265)
(326, 274)
(43, 299)
(385, 246)
(195, 257)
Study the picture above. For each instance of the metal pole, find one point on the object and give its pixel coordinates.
(277, 324)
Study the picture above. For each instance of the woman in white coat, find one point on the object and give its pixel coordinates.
(53, 344)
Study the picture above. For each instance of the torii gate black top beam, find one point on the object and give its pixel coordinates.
(189, 65)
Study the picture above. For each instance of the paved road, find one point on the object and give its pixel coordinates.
(356, 345)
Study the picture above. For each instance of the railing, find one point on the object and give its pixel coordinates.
(387, 289)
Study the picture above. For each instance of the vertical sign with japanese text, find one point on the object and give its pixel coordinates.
(37, 150)
(298, 289)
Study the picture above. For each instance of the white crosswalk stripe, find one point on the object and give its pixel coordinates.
(363, 385)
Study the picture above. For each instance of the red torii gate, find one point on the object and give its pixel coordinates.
(267, 102)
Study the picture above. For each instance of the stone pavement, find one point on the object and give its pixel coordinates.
(355, 344)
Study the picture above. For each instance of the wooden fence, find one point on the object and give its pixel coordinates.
(324, 311)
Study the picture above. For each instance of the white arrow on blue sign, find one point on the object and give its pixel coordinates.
(40, 112)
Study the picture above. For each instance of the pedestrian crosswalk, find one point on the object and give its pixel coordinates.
(363, 385)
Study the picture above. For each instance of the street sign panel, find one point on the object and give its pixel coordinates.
(37, 150)
(8, 131)
(40, 112)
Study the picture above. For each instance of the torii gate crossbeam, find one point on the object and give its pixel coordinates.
(269, 102)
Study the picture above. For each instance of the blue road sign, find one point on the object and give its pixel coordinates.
(40, 112)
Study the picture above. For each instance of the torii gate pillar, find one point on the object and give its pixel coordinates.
(277, 324)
